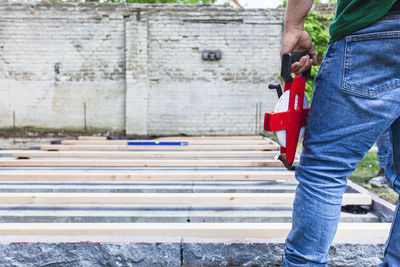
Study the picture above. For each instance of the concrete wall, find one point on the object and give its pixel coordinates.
(324, 8)
(137, 68)
(171, 254)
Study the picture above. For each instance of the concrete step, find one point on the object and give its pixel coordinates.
(171, 252)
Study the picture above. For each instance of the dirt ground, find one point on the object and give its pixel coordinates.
(31, 140)
(25, 143)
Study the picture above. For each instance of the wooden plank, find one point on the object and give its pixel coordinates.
(188, 142)
(144, 154)
(92, 137)
(168, 138)
(229, 137)
(272, 142)
(199, 230)
(162, 148)
(140, 163)
(149, 176)
(219, 199)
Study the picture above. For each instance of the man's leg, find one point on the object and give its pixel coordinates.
(383, 144)
(344, 121)
(392, 249)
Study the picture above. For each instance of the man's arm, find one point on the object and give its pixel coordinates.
(295, 38)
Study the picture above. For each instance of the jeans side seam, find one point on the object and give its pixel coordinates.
(326, 58)
(394, 161)
(345, 61)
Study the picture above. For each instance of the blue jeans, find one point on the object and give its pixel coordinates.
(356, 98)
(383, 144)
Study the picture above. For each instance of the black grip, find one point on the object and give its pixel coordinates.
(276, 87)
(287, 60)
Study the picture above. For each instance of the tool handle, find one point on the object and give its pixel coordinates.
(276, 87)
(287, 60)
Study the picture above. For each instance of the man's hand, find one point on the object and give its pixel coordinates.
(295, 38)
(298, 40)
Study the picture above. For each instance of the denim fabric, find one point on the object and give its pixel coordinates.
(383, 144)
(357, 97)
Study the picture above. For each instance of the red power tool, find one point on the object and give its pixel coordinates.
(289, 116)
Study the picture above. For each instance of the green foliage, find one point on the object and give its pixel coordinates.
(368, 168)
(170, 1)
(283, 5)
(154, 1)
(316, 25)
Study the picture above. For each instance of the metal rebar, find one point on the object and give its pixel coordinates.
(256, 129)
(14, 127)
(84, 117)
(260, 126)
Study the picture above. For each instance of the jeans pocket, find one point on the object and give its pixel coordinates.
(371, 63)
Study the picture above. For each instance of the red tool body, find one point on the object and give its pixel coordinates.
(295, 117)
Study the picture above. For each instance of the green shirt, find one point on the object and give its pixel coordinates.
(353, 15)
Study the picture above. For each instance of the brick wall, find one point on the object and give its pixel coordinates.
(137, 68)
(324, 8)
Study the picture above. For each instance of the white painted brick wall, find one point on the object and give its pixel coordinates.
(139, 71)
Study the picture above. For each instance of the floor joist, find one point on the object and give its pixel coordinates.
(214, 199)
(76, 192)
(139, 163)
(84, 137)
(240, 137)
(149, 176)
(230, 137)
(161, 148)
(145, 154)
(64, 215)
(200, 230)
(186, 142)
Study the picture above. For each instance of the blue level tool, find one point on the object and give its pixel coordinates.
(157, 143)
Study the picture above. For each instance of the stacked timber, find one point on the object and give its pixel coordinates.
(205, 187)
(177, 201)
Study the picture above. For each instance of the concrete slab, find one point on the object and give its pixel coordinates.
(186, 252)
(90, 254)
(258, 254)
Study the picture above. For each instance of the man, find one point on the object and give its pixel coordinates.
(356, 98)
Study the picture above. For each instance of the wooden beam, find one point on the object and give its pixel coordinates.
(140, 163)
(215, 199)
(240, 137)
(229, 137)
(145, 154)
(200, 230)
(189, 142)
(92, 137)
(162, 148)
(150, 176)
